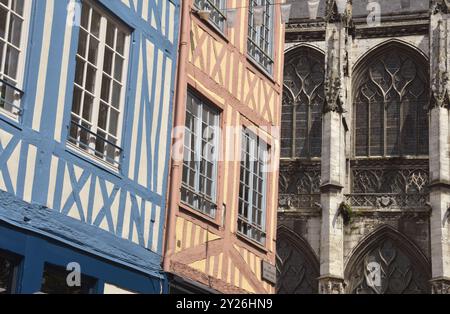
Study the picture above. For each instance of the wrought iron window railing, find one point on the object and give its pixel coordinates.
(96, 145)
(216, 9)
(10, 97)
(387, 183)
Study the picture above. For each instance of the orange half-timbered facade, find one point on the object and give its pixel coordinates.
(221, 221)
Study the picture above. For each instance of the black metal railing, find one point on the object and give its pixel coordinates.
(10, 97)
(110, 152)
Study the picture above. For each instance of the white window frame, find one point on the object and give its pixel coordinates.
(199, 156)
(257, 145)
(90, 150)
(18, 83)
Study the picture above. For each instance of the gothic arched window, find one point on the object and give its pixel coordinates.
(387, 262)
(390, 104)
(297, 264)
(303, 99)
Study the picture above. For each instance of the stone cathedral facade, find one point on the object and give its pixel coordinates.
(364, 190)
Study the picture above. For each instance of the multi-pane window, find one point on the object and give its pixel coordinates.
(201, 147)
(303, 100)
(391, 106)
(216, 9)
(252, 188)
(12, 22)
(8, 273)
(100, 84)
(260, 35)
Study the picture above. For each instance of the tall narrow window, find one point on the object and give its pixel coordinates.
(391, 105)
(303, 100)
(260, 33)
(100, 85)
(252, 189)
(12, 27)
(201, 146)
(216, 9)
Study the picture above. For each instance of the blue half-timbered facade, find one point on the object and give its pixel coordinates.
(86, 92)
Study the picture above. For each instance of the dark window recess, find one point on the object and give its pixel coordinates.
(303, 100)
(54, 281)
(8, 273)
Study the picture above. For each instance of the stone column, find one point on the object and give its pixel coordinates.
(439, 147)
(333, 170)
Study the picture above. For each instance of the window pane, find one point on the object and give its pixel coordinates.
(90, 78)
(82, 43)
(76, 104)
(118, 67)
(85, 17)
(79, 72)
(113, 122)
(103, 116)
(106, 85)
(11, 62)
(15, 29)
(95, 23)
(107, 63)
(3, 19)
(110, 34)
(120, 46)
(93, 51)
(17, 6)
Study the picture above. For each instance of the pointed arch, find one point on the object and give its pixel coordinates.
(297, 264)
(390, 101)
(387, 262)
(303, 99)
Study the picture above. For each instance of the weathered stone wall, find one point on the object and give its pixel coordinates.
(427, 235)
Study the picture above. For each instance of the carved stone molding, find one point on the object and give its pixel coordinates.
(333, 80)
(389, 184)
(440, 6)
(339, 26)
(440, 94)
(299, 186)
(332, 15)
(331, 285)
(440, 286)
